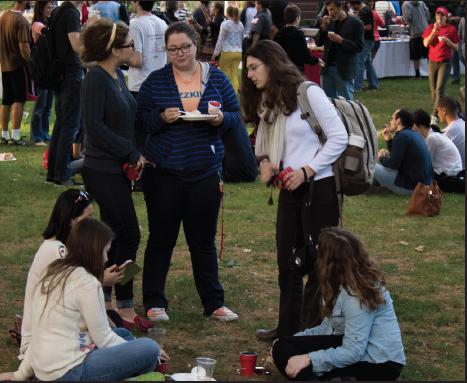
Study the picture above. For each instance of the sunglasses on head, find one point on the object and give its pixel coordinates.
(83, 195)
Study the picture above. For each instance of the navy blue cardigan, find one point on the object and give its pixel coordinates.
(410, 157)
(189, 150)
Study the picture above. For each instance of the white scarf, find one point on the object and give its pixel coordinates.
(270, 140)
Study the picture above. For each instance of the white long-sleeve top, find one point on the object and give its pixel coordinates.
(68, 329)
(444, 154)
(455, 131)
(230, 37)
(48, 252)
(302, 146)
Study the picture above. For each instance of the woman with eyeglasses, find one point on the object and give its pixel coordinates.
(108, 111)
(269, 101)
(186, 183)
(70, 337)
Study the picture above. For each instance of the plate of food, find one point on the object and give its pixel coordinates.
(197, 116)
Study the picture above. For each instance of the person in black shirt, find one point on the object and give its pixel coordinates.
(293, 41)
(214, 18)
(365, 14)
(171, 7)
(260, 27)
(341, 50)
(277, 14)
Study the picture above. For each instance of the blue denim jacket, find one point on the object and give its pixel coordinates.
(373, 337)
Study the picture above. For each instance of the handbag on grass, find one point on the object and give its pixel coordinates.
(15, 330)
(425, 201)
(303, 260)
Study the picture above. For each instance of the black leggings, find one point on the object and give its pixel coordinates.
(287, 347)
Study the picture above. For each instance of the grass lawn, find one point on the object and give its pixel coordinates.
(427, 287)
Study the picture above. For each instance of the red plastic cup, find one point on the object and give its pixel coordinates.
(161, 367)
(248, 362)
(131, 172)
(281, 176)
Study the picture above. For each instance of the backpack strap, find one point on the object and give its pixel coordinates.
(309, 115)
(307, 111)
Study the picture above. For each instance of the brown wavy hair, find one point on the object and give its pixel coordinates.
(95, 39)
(85, 247)
(38, 14)
(284, 79)
(343, 261)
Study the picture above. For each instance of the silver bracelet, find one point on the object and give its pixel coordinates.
(263, 160)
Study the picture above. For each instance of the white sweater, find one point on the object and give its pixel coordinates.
(48, 252)
(68, 329)
(302, 146)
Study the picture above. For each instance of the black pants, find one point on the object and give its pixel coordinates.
(290, 346)
(169, 201)
(299, 309)
(112, 192)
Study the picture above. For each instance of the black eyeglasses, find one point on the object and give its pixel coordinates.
(131, 45)
(83, 195)
(184, 49)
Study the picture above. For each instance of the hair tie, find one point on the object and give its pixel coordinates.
(112, 37)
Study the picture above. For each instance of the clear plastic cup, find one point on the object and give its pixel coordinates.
(158, 336)
(205, 368)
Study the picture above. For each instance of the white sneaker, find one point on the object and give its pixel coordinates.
(224, 314)
(157, 315)
(434, 120)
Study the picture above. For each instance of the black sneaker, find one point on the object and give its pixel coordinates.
(51, 181)
(4, 141)
(70, 182)
(18, 142)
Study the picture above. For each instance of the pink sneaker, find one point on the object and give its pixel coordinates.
(224, 314)
(157, 315)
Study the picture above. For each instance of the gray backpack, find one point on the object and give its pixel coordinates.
(357, 120)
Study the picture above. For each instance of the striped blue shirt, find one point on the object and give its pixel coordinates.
(189, 150)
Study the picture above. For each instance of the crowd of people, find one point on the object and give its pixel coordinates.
(342, 322)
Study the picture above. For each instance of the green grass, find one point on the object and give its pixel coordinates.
(427, 288)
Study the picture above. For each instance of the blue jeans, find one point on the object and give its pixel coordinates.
(365, 62)
(334, 86)
(135, 357)
(386, 177)
(76, 166)
(67, 110)
(456, 76)
(40, 116)
(461, 54)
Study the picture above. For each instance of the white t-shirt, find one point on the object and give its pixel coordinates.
(444, 154)
(148, 34)
(302, 146)
(48, 252)
(456, 132)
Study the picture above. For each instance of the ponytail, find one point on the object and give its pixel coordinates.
(233, 13)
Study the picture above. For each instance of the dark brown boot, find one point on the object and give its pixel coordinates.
(267, 334)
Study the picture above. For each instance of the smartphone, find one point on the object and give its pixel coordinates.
(118, 268)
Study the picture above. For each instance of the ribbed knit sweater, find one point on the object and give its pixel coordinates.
(108, 113)
(189, 150)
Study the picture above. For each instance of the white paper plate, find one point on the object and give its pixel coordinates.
(13, 159)
(185, 378)
(203, 117)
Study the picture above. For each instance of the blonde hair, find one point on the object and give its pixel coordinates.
(233, 13)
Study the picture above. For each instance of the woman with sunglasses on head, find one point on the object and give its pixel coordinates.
(71, 207)
(108, 111)
(186, 183)
(359, 336)
(269, 101)
(70, 337)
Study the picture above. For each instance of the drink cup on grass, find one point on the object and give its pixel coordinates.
(205, 368)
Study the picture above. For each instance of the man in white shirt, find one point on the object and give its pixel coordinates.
(455, 130)
(150, 55)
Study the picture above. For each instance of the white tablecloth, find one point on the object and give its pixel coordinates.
(393, 59)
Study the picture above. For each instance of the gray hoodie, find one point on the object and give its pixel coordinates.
(415, 13)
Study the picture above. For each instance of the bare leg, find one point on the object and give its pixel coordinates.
(416, 64)
(127, 313)
(17, 115)
(373, 55)
(5, 116)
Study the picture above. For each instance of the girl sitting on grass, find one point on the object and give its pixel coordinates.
(70, 337)
(359, 336)
(71, 207)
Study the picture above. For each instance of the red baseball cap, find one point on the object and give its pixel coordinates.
(442, 10)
